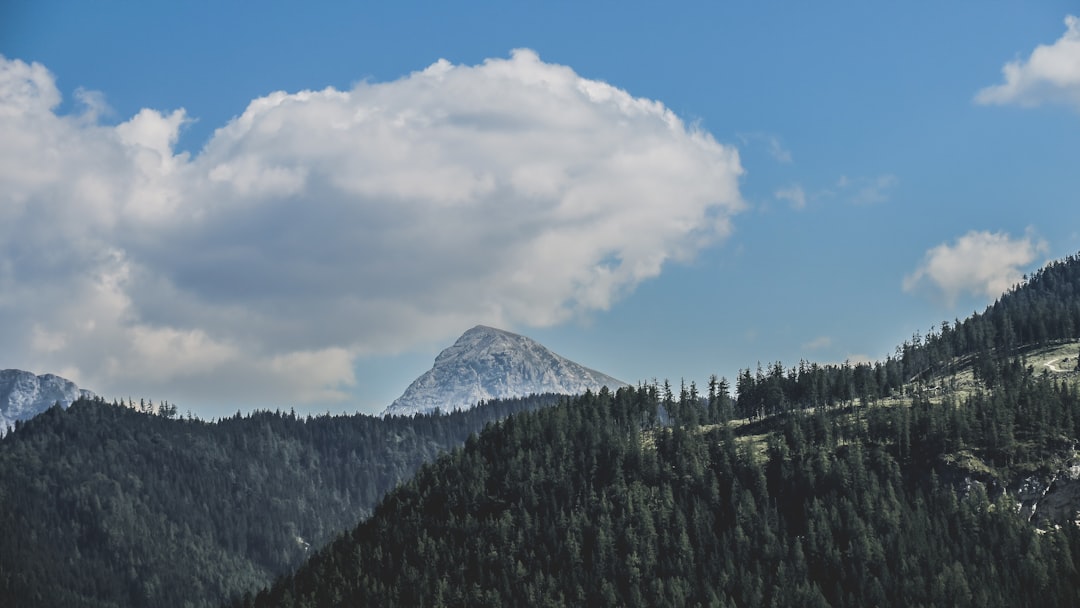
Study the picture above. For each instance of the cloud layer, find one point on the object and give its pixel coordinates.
(320, 226)
(978, 263)
(1050, 75)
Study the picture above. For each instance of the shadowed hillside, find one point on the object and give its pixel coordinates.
(573, 506)
(101, 505)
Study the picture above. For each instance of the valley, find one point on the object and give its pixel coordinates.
(489, 305)
(915, 477)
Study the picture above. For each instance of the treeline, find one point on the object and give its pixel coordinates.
(1022, 425)
(1044, 310)
(597, 503)
(776, 390)
(103, 505)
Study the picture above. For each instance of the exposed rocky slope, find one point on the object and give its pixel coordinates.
(487, 363)
(24, 395)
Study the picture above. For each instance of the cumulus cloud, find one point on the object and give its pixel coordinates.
(1050, 75)
(320, 226)
(979, 263)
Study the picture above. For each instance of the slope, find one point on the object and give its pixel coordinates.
(101, 505)
(570, 507)
(841, 485)
(488, 363)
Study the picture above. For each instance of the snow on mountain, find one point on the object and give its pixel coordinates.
(24, 395)
(487, 363)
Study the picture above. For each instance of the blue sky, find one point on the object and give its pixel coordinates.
(300, 205)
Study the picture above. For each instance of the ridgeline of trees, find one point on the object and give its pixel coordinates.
(1044, 310)
(595, 503)
(645, 497)
(642, 497)
(105, 506)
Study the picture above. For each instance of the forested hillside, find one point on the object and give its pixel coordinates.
(101, 505)
(1044, 310)
(592, 503)
(892, 483)
(817, 485)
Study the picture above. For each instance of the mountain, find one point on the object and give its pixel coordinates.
(594, 502)
(487, 363)
(948, 475)
(24, 395)
(105, 505)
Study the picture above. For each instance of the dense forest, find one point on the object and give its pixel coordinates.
(811, 485)
(595, 503)
(816, 485)
(105, 506)
(1045, 309)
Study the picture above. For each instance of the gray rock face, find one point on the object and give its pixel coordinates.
(1051, 498)
(24, 395)
(488, 363)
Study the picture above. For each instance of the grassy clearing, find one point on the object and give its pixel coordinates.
(758, 445)
(1059, 360)
(1056, 359)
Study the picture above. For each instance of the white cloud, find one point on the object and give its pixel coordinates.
(793, 194)
(320, 226)
(1050, 75)
(978, 263)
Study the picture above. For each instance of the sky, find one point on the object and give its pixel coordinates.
(299, 205)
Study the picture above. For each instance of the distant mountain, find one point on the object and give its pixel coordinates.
(24, 395)
(487, 363)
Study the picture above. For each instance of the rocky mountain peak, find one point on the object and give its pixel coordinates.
(489, 363)
(24, 395)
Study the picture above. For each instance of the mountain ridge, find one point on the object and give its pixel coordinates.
(104, 504)
(490, 363)
(24, 395)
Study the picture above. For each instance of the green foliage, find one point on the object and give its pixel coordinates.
(568, 506)
(642, 497)
(1044, 310)
(102, 505)
(592, 503)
